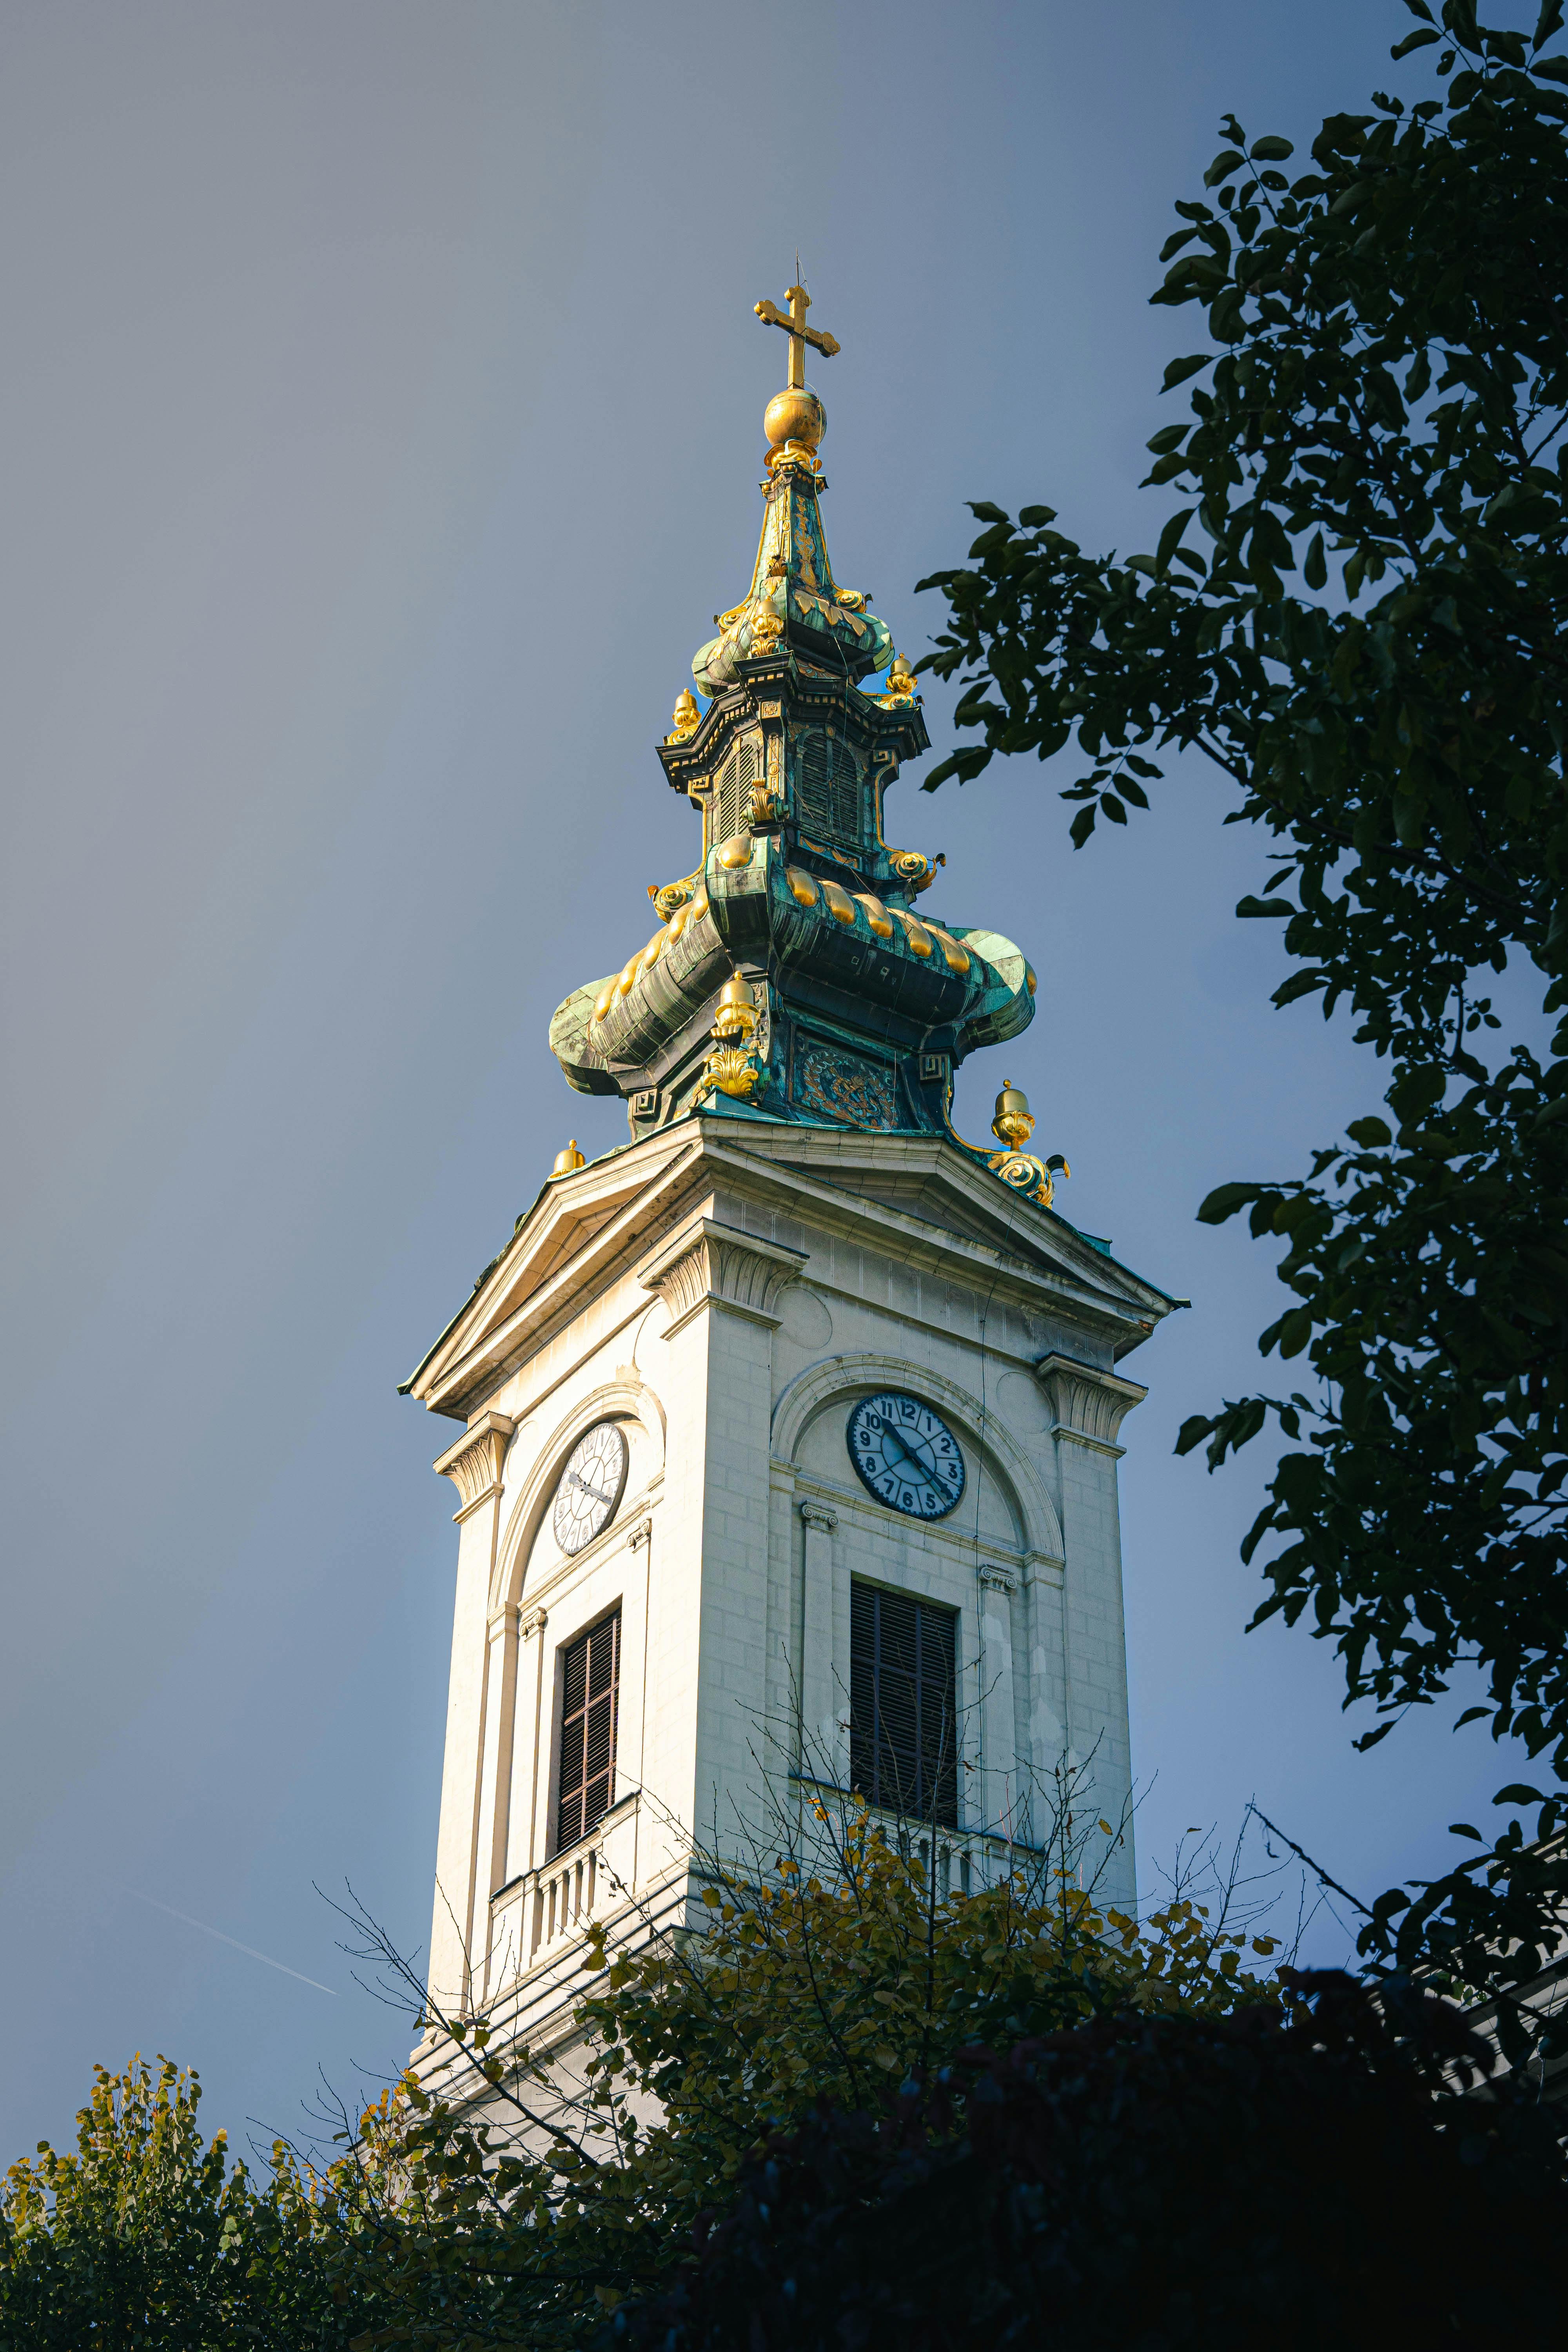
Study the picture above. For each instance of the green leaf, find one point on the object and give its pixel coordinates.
(1082, 827)
(1370, 1133)
(1192, 1432)
(1420, 39)
(1112, 807)
(1550, 69)
(1463, 1829)
(1225, 1200)
(1180, 370)
(1271, 150)
(984, 512)
(1168, 437)
(1170, 539)
(1517, 1793)
(1035, 518)
(1263, 906)
(1228, 161)
(1315, 570)
(1550, 21)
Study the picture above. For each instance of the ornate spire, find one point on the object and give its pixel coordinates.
(791, 979)
(793, 588)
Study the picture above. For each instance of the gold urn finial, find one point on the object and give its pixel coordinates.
(737, 1013)
(685, 717)
(565, 1161)
(1014, 1122)
(796, 414)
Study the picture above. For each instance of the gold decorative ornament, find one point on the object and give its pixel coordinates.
(766, 630)
(1014, 1122)
(955, 954)
(915, 931)
(1024, 1173)
(668, 896)
(736, 851)
(603, 1001)
(914, 870)
(731, 1071)
(876, 915)
(686, 719)
(840, 903)
(803, 888)
(565, 1161)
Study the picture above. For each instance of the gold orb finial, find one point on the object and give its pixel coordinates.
(565, 1161)
(1014, 1122)
(795, 414)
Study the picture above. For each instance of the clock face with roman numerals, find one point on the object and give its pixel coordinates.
(906, 1454)
(590, 1487)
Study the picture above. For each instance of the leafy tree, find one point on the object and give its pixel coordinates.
(147, 2237)
(1374, 652)
(839, 1974)
(1302, 2178)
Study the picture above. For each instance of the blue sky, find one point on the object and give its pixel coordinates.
(383, 398)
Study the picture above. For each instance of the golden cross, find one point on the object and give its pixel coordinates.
(793, 322)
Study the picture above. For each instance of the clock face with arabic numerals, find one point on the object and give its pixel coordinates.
(906, 1454)
(590, 1485)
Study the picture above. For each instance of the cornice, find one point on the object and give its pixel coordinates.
(1129, 1316)
(704, 1263)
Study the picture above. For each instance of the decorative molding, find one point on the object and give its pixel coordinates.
(503, 1621)
(531, 1622)
(998, 1579)
(818, 1517)
(705, 1263)
(474, 1465)
(642, 1533)
(1088, 1405)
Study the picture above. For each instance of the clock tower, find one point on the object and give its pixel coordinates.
(787, 1432)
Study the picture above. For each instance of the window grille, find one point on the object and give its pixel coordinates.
(829, 789)
(590, 1703)
(903, 1716)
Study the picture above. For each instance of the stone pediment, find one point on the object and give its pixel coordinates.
(920, 1196)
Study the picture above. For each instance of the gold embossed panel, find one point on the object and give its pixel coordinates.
(837, 1085)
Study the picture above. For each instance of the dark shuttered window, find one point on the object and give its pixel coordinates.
(903, 1718)
(589, 1704)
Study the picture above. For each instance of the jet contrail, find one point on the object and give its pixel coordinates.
(249, 1949)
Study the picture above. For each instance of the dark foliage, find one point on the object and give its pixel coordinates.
(1150, 2182)
(1374, 651)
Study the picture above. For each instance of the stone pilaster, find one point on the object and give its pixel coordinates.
(460, 1925)
(823, 1707)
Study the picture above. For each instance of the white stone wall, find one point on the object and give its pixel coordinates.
(730, 1352)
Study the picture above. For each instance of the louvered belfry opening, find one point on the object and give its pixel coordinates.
(903, 1714)
(829, 794)
(730, 797)
(590, 1703)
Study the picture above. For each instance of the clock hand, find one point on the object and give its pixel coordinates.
(578, 1480)
(890, 1435)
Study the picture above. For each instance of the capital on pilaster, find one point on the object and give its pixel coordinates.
(1087, 1404)
(530, 1623)
(817, 1516)
(999, 1580)
(474, 1465)
(705, 1263)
